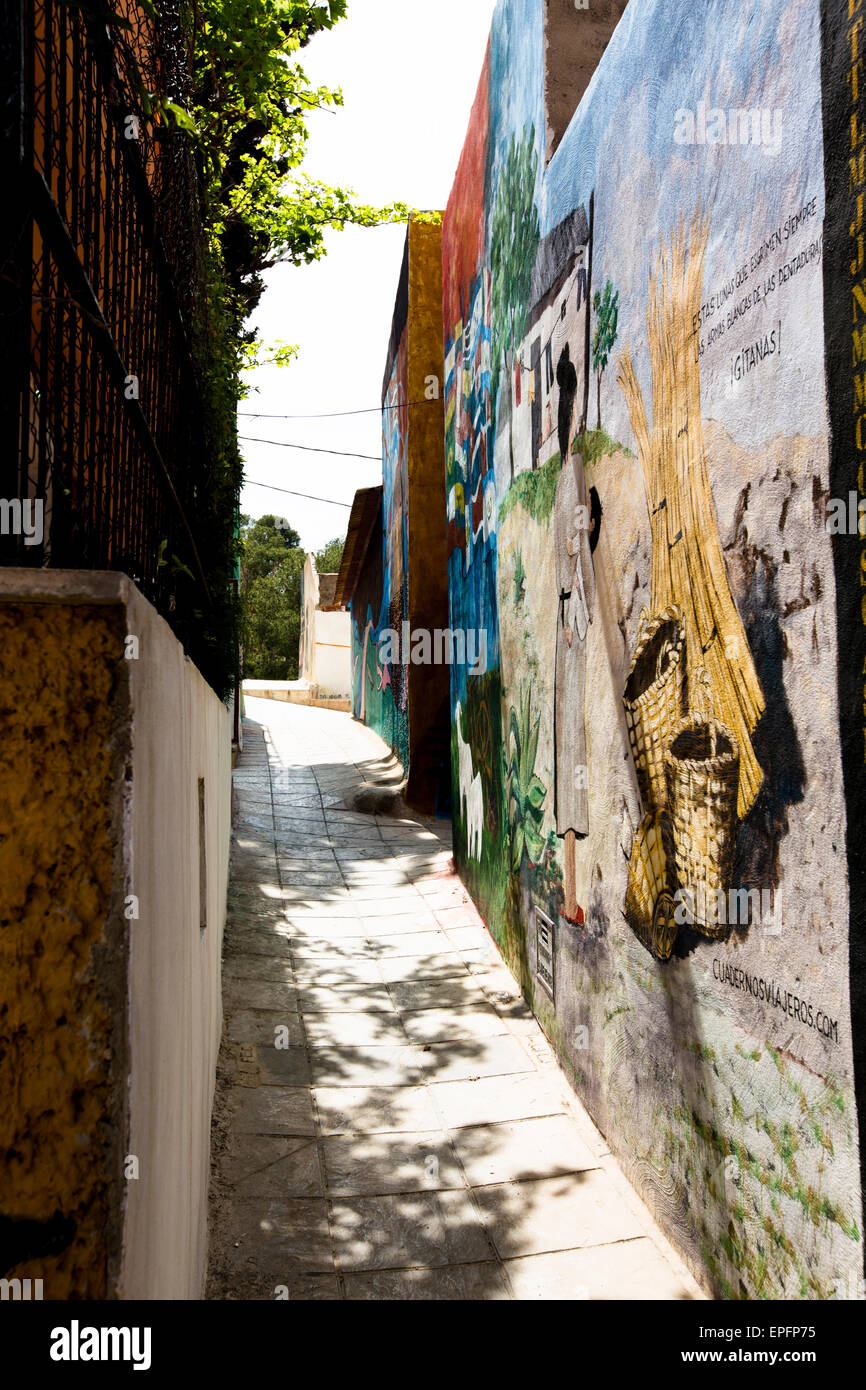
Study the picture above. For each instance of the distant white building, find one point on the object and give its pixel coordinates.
(325, 644)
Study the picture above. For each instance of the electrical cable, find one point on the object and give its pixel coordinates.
(334, 414)
(251, 482)
(307, 449)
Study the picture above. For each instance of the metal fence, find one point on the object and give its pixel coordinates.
(105, 457)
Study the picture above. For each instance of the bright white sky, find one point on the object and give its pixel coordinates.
(408, 70)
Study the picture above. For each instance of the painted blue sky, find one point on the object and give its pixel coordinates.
(667, 55)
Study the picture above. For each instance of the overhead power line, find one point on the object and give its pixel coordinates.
(334, 414)
(251, 482)
(248, 439)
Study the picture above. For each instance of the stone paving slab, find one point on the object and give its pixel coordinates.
(273, 1241)
(370, 1064)
(419, 1228)
(348, 998)
(243, 939)
(274, 1166)
(559, 1213)
(257, 994)
(357, 970)
(451, 1282)
(398, 970)
(285, 1066)
(442, 1025)
(356, 1030)
(437, 994)
(327, 949)
(385, 1163)
(412, 945)
(521, 1149)
(272, 1110)
(257, 1026)
(631, 1269)
(375, 1109)
(488, 1100)
(390, 1121)
(255, 966)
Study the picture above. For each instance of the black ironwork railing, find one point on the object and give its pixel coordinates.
(105, 446)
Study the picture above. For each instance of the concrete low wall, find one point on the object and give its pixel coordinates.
(295, 693)
(115, 814)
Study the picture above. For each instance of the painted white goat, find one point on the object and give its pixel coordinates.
(471, 792)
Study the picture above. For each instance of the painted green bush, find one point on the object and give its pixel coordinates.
(535, 491)
(525, 793)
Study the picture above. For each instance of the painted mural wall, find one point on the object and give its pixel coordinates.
(646, 766)
(400, 602)
(380, 689)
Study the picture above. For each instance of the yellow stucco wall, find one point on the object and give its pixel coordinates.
(62, 944)
(429, 713)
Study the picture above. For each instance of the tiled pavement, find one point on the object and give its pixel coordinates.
(390, 1120)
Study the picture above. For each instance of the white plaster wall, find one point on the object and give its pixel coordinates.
(333, 655)
(309, 599)
(181, 731)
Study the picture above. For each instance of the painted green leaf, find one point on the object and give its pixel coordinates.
(536, 793)
(533, 746)
(514, 732)
(534, 843)
(517, 847)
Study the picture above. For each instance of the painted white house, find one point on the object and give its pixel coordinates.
(529, 410)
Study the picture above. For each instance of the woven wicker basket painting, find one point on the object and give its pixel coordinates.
(649, 900)
(654, 700)
(702, 768)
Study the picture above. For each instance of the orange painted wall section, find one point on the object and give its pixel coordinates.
(62, 946)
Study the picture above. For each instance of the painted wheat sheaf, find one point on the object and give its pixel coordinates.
(688, 565)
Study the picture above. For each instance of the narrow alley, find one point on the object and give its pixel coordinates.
(390, 1121)
(432, 671)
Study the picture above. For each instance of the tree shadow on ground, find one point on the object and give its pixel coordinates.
(388, 1124)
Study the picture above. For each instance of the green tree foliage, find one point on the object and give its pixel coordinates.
(248, 110)
(514, 236)
(606, 306)
(329, 557)
(250, 105)
(272, 562)
(264, 544)
(272, 622)
(245, 105)
(241, 114)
